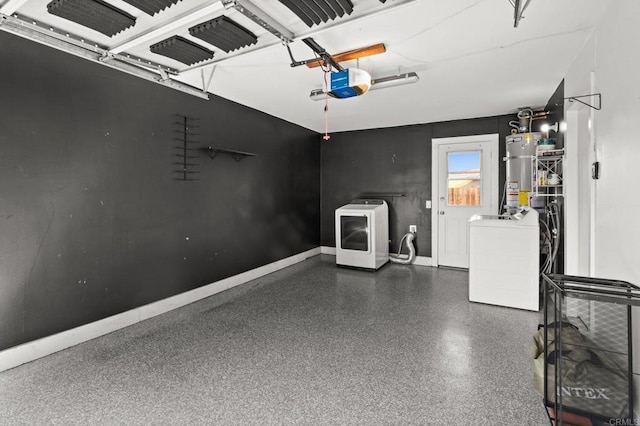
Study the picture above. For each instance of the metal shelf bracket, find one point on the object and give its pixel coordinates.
(236, 155)
(597, 96)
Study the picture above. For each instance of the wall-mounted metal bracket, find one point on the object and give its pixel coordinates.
(598, 102)
(237, 155)
(377, 195)
(206, 84)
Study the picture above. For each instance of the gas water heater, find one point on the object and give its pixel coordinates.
(521, 147)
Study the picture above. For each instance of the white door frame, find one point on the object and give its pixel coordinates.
(493, 139)
(575, 146)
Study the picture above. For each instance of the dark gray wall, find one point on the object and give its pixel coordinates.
(92, 222)
(555, 106)
(393, 160)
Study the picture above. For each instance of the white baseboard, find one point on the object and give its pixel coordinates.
(328, 250)
(420, 260)
(31, 351)
(423, 261)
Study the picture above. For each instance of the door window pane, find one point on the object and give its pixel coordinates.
(463, 181)
(354, 233)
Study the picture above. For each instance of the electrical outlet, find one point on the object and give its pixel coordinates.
(413, 228)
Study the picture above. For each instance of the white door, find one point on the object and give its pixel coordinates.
(466, 171)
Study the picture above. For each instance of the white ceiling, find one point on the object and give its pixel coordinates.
(471, 60)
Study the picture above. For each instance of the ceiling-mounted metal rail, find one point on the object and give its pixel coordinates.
(312, 33)
(67, 44)
(597, 96)
(321, 53)
(260, 17)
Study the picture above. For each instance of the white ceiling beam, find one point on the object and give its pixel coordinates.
(175, 24)
(11, 6)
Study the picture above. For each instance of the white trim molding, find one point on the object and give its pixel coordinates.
(328, 250)
(423, 261)
(30, 351)
(491, 138)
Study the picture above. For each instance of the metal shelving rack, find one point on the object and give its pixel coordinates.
(184, 133)
(588, 375)
(544, 163)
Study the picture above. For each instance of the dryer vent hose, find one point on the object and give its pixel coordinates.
(404, 259)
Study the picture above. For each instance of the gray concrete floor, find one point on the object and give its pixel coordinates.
(311, 344)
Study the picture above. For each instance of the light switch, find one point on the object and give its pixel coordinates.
(427, 204)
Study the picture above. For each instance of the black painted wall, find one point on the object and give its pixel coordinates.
(394, 160)
(555, 106)
(92, 222)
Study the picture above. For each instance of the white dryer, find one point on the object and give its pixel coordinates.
(362, 234)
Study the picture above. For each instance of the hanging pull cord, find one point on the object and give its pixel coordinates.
(327, 69)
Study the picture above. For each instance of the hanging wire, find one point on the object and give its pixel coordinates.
(326, 68)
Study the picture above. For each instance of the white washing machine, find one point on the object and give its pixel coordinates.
(504, 260)
(362, 234)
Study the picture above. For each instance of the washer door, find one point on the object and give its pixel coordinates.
(354, 232)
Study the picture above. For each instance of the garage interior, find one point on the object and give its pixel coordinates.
(172, 163)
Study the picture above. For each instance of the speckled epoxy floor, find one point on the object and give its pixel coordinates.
(311, 344)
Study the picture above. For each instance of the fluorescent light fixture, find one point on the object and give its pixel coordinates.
(394, 80)
(377, 83)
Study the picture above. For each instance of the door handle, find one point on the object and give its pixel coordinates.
(442, 212)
